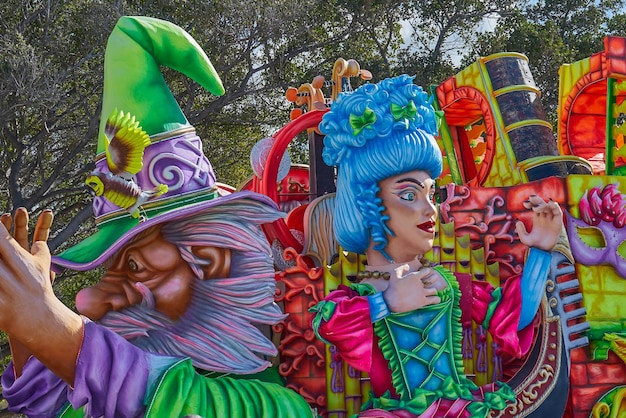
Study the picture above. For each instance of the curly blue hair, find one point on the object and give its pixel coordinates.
(378, 131)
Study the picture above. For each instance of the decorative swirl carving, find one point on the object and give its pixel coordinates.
(296, 357)
(301, 265)
(279, 327)
(294, 292)
(307, 395)
(553, 302)
(490, 255)
(172, 175)
(294, 186)
(174, 169)
(473, 225)
(490, 210)
(513, 409)
(493, 226)
(537, 386)
(451, 199)
(530, 395)
(313, 351)
(294, 333)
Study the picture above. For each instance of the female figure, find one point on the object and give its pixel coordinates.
(401, 321)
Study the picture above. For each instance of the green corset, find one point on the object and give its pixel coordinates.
(423, 348)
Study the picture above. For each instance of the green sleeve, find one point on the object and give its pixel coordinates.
(69, 412)
(183, 392)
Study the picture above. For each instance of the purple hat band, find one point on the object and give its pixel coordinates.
(60, 262)
(175, 159)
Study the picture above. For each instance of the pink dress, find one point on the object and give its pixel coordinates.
(415, 359)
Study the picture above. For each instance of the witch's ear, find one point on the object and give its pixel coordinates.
(219, 261)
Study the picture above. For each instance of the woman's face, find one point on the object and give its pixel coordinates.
(408, 201)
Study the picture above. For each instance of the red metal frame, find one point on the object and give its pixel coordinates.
(267, 185)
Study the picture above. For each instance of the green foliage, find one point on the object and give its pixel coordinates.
(51, 58)
(68, 284)
(552, 33)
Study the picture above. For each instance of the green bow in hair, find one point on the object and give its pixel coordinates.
(366, 120)
(403, 112)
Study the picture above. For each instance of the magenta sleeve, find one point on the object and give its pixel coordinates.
(503, 324)
(350, 327)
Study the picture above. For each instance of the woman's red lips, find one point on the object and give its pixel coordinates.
(427, 226)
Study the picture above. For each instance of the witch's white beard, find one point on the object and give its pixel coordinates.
(216, 331)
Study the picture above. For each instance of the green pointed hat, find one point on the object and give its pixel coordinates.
(133, 82)
(173, 163)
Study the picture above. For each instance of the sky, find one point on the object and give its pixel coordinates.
(488, 24)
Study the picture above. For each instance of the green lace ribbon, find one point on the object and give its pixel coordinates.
(392, 352)
(493, 400)
(366, 120)
(491, 309)
(323, 310)
(423, 398)
(403, 112)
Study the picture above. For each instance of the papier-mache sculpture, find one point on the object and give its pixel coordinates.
(400, 320)
(189, 279)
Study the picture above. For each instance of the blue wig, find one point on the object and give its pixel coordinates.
(378, 131)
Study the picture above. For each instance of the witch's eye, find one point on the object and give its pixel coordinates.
(132, 265)
(408, 196)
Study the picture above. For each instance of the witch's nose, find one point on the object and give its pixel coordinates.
(107, 295)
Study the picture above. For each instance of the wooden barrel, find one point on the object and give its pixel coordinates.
(519, 102)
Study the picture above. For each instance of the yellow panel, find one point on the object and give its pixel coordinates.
(471, 77)
(569, 74)
(350, 400)
(462, 250)
(447, 239)
(612, 283)
(587, 276)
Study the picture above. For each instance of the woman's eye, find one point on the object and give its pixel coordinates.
(132, 265)
(409, 196)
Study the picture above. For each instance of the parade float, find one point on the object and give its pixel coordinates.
(493, 159)
(498, 149)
